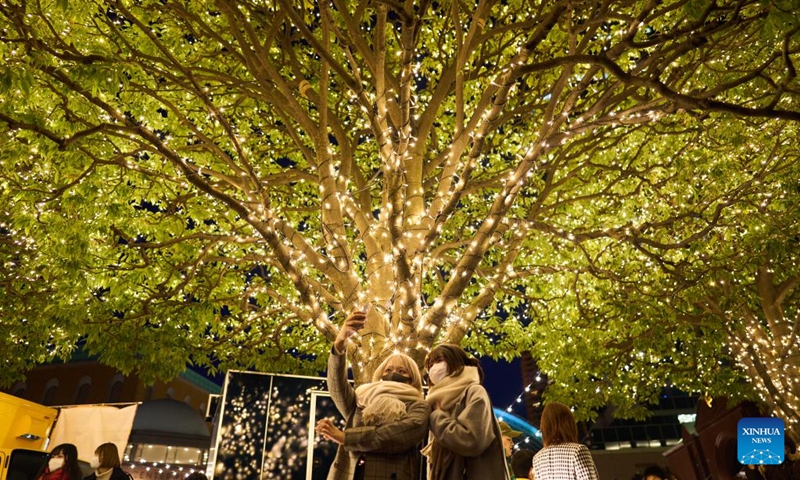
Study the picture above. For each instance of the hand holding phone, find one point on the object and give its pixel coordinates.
(352, 324)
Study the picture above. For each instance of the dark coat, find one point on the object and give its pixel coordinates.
(391, 452)
(116, 474)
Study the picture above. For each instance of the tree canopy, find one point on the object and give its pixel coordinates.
(610, 185)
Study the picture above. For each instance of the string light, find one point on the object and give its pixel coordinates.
(515, 181)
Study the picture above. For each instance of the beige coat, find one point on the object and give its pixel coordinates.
(471, 432)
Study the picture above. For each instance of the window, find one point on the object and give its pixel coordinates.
(19, 390)
(50, 391)
(82, 393)
(115, 389)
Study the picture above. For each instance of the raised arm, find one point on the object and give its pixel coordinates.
(342, 391)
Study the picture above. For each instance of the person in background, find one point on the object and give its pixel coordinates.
(197, 476)
(790, 468)
(106, 464)
(562, 457)
(466, 443)
(62, 464)
(387, 448)
(508, 435)
(758, 472)
(654, 472)
(522, 464)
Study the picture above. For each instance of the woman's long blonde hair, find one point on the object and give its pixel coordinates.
(411, 366)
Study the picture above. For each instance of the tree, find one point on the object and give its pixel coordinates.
(221, 182)
(715, 314)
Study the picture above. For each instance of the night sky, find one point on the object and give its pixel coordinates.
(504, 383)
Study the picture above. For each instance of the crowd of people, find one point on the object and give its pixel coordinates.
(388, 419)
(62, 464)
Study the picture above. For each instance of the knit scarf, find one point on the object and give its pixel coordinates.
(367, 393)
(60, 474)
(447, 393)
(449, 390)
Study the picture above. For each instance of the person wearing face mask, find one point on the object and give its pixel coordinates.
(465, 442)
(382, 436)
(106, 464)
(62, 464)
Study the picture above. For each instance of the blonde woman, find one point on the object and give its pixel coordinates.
(386, 419)
(562, 457)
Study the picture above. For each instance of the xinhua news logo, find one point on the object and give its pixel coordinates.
(760, 441)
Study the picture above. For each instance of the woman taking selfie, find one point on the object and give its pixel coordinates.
(386, 419)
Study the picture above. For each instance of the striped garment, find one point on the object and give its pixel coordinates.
(566, 461)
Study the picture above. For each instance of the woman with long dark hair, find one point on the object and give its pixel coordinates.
(466, 442)
(62, 464)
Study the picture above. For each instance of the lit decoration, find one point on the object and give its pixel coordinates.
(163, 462)
(531, 435)
(264, 429)
(611, 187)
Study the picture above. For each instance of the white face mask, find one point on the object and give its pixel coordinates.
(55, 463)
(95, 462)
(438, 372)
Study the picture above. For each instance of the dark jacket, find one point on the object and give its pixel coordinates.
(116, 474)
